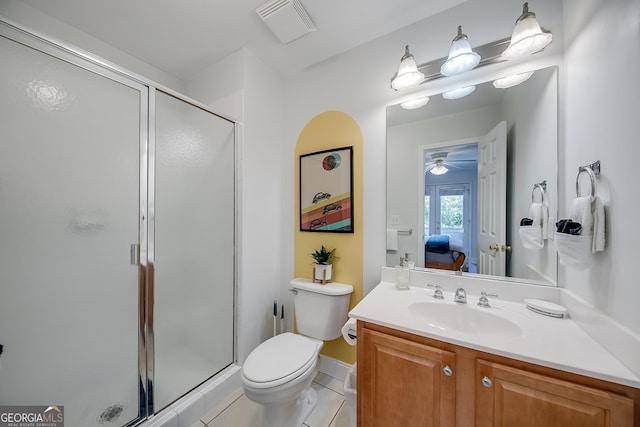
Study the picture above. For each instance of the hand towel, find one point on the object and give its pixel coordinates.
(598, 226)
(392, 239)
(580, 212)
(531, 235)
(545, 222)
(535, 213)
(574, 250)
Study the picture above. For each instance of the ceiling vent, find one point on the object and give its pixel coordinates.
(286, 18)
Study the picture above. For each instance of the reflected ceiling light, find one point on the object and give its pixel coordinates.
(513, 80)
(408, 74)
(461, 58)
(458, 93)
(527, 37)
(414, 103)
(439, 168)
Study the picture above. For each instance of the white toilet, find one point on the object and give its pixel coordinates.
(278, 373)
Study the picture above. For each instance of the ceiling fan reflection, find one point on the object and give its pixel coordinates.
(439, 163)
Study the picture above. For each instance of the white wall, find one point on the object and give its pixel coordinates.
(244, 87)
(600, 118)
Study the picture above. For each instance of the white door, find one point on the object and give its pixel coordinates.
(492, 201)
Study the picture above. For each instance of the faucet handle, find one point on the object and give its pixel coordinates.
(484, 300)
(460, 296)
(437, 294)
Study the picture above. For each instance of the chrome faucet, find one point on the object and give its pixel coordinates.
(461, 296)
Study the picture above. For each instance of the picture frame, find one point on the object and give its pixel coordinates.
(326, 191)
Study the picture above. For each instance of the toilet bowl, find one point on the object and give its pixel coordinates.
(278, 373)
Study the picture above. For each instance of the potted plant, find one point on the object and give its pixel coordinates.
(323, 268)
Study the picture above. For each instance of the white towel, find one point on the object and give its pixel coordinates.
(580, 211)
(589, 212)
(349, 332)
(532, 236)
(545, 222)
(535, 213)
(575, 250)
(598, 226)
(392, 239)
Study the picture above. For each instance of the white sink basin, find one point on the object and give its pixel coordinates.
(463, 318)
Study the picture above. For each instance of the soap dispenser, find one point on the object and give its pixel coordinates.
(403, 273)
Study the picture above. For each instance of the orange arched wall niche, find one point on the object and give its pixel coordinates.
(332, 129)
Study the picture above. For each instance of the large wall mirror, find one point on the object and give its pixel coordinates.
(465, 176)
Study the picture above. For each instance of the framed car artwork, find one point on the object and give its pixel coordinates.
(326, 191)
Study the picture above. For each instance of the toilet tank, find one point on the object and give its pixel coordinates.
(321, 310)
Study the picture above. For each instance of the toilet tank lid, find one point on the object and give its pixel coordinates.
(332, 288)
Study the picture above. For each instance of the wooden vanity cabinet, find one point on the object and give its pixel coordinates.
(511, 396)
(402, 381)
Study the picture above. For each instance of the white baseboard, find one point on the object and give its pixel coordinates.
(333, 367)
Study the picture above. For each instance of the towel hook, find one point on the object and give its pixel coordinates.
(542, 186)
(593, 170)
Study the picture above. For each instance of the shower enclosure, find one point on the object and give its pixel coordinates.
(117, 237)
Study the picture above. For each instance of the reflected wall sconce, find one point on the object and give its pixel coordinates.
(513, 80)
(461, 58)
(458, 93)
(408, 74)
(415, 103)
(527, 37)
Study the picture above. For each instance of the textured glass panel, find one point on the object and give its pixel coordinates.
(69, 179)
(194, 252)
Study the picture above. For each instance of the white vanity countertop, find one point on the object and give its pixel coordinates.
(553, 342)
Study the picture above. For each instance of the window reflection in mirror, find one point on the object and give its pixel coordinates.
(445, 206)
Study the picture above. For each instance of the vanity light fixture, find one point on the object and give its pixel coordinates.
(415, 103)
(408, 74)
(527, 37)
(513, 80)
(461, 58)
(458, 93)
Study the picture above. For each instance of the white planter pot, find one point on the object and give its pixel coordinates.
(323, 272)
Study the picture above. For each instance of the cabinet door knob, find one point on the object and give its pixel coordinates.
(447, 371)
(487, 382)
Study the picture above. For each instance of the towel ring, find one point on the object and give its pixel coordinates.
(542, 186)
(592, 177)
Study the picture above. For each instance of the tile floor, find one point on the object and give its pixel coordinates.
(238, 411)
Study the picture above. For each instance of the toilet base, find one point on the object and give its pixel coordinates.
(292, 414)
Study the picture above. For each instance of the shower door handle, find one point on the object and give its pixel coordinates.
(135, 254)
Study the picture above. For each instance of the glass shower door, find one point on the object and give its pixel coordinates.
(69, 195)
(193, 247)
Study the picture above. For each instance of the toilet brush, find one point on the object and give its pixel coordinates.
(275, 316)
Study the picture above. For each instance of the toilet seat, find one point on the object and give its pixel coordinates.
(279, 360)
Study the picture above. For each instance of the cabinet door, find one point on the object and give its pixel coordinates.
(403, 383)
(515, 397)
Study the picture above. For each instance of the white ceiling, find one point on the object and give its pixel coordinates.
(181, 36)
